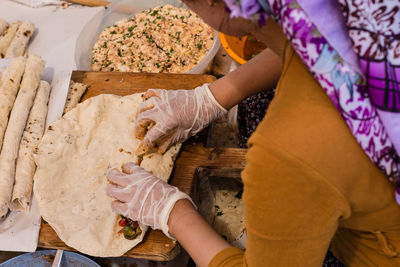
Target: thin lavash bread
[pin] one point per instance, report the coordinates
(72, 160)
(7, 37)
(20, 41)
(25, 166)
(10, 84)
(75, 92)
(3, 26)
(15, 128)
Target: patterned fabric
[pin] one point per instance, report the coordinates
(251, 111)
(378, 45)
(256, 10)
(375, 27)
(382, 84)
(347, 87)
(331, 261)
(341, 83)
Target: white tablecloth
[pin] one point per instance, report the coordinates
(54, 40)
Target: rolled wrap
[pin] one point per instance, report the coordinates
(75, 92)
(3, 26)
(16, 125)
(6, 39)
(25, 167)
(20, 42)
(10, 84)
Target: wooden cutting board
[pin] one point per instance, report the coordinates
(155, 246)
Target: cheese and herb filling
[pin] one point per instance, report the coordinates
(161, 39)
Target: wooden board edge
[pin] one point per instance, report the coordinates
(79, 75)
(167, 255)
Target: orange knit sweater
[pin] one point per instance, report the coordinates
(308, 184)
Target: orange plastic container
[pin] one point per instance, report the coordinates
(241, 49)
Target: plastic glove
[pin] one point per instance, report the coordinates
(170, 116)
(143, 197)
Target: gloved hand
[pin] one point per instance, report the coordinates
(143, 197)
(170, 116)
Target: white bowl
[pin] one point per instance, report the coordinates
(118, 10)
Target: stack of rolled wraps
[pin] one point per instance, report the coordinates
(23, 111)
(14, 38)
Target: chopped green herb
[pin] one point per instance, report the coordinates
(119, 53)
(130, 232)
(113, 32)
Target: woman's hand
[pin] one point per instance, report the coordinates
(170, 116)
(143, 197)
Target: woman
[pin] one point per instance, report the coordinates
(318, 165)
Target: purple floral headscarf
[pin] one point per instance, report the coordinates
(352, 50)
(256, 10)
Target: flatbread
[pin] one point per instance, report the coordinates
(10, 84)
(6, 39)
(16, 125)
(3, 26)
(25, 167)
(20, 42)
(229, 214)
(72, 160)
(75, 92)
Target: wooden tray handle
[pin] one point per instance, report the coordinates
(90, 2)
